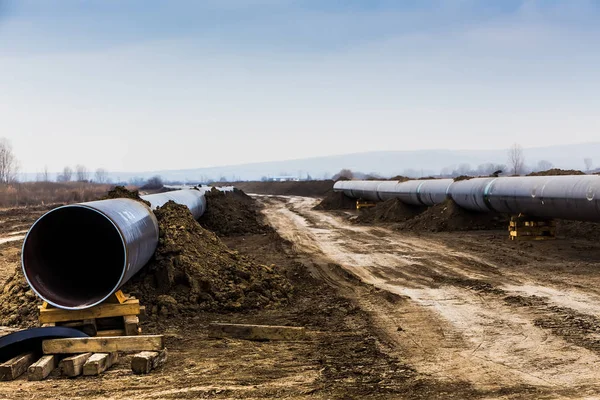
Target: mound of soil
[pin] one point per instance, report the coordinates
(462, 178)
(557, 172)
(336, 201)
(121, 192)
(193, 271)
(399, 178)
(578, 229)
(232, 213)
(392, 210)
(448, 216)
(18, 303)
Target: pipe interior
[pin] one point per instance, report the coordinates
(74, 257)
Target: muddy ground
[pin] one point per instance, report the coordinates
(414, 315)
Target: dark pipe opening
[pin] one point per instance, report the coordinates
(73, 257)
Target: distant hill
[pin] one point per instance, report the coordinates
(385, 163)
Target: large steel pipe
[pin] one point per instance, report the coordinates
(425, 192)
(192, 199)
(569, 197)
(573, 197)
(76, 256)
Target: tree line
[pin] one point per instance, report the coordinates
(9, 169)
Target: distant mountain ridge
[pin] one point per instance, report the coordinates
(415, 163)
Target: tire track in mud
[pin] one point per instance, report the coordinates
(460, 324)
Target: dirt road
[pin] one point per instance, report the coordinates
(505, 318)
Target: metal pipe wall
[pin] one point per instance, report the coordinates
(76, 256)
(569, 197)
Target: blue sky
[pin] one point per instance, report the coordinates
(138, 85)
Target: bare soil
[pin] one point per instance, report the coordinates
(391, 314)
(232, 213)
(392, 210)
(506, 319)
(336, 201)
(556, 172)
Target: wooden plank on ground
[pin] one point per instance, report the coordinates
(146, 361)
(99, 362)
(16, 366)
(256, 332)
(130, 307)
(104, 344)
(73, 366)
(42, 368)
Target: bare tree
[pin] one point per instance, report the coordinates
(46, 174)
(66, 175)
(101, 175)
(9, 166)
(344, 174)
(516, 159)
(589, 164)
(544, 165)
(137, 181)
(81, 173)
(155, 182)
(463, 169)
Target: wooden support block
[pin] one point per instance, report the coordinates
(105, 310)
(256, 332)
(73, 366)
(42, 368)
(111, 332)
(99, 362)
(16, 366)
(104, 344)
(118, 297)
(131, 324)
(146, 361)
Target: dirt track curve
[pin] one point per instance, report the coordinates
(520, 318)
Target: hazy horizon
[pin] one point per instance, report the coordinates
(386, 163)
(168, 85)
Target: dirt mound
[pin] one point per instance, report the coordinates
(18, 303)
(557, 172)
(336, 201)
(392, 210)
(192, 271)
(399, 178)
(578, 229)
(121, 192)
(462, 178)
(232, 213)
(288, 188)
(448, 216)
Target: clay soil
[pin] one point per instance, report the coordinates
(391, 315)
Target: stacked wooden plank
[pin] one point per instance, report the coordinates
(118, 316)
(86, 356)
(524, 228)
(113, 327)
